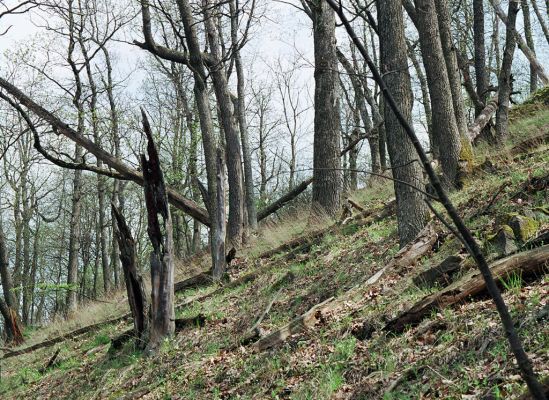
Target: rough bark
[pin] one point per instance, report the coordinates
(327, 178)
(505, 79)
(218, 242)
(450, 56)
(232, 138)
(524, 4)
(480, 55)
(135, 287)
(445, 128)
(242, 122)
(411, 209)
(162, 256)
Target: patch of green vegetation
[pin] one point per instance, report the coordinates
(513, 282)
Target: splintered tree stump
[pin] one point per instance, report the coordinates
(160, 234)
(134, 281)
(527, 263)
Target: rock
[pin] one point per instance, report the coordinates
(502, 242)
(523, 227)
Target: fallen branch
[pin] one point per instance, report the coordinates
(527, 263)
(50, 362)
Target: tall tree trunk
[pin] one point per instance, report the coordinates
(424, 97)
(226, 112)
(411, 209)
(327, 183)
(480, 54)
(450, 56)
(242, 123)
(162, 256)
(445, 129)
(505, 78)
(530, 42)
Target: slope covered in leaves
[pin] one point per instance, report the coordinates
(456, 352)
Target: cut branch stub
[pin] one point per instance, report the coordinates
(160, 233)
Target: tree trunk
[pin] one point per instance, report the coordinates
(450, 56)
(134, 282)
(162, 256)
(218, 243)
(232, 139)
(424, 97)
(505, 79)
(327, 182)
(480, 54)
(445, 129)
(541, 20)
(530, 42)
(523, 46)
(411, 209)
(242, 123)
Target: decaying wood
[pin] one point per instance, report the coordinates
(526, 263)
(483, 118)
(180, 324)
(527, 145)
(51, 361)
(306, 321)
(135, 287)
(296, 242)
(407, 256)
(440, 274)
(283, 200)
(254, 333)
(66, 336)
(160, 234)
(354, 204)
(199, 280)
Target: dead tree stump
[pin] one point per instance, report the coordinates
(160, 234)
(134, 281)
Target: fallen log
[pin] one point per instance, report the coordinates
(527, 263)
(50, 362)
(281, 202)
(180, 324)
(440, 274)
(407, 256)
(62, 338)
(306, 321)
(483, 118)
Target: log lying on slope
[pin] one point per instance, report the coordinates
(527, 263)
(407, 256)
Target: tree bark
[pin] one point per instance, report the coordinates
(162, 256)
(541, 20)
(218, 243)
(411, 209)
(327, 178)
(135, 287)
(505, 79)
(530, 42)
(445, 129)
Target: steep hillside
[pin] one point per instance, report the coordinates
(326, 303)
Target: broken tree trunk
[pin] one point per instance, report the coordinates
(160, 234)
(483, 118)
(526, 263)
(11, 324)
(134, 281)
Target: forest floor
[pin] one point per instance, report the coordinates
(343, 351)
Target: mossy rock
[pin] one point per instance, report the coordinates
(541, 213)
(523, 227)
(502, 241)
